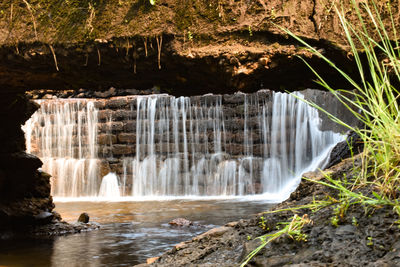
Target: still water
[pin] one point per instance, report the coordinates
(130, 231)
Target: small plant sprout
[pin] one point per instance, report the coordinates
(250, 31)
(190, 36)
(262, 223)
(335, 221)
(354, 221)
(292, 229)
(370, 242)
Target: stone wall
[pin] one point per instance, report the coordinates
(117, 128)
(238, 129)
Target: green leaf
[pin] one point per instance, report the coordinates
(377, 195)
(152, 2)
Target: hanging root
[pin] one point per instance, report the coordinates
(127, 47)
(98, 56)
(145, 45)
(159, 45)
(54, 57)
(134, 62)
(135, 56)
(86, 59)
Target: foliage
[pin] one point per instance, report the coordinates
(262, 223)
(375, 103)
(375, 100)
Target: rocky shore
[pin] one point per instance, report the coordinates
(26, 206)
(362, 237)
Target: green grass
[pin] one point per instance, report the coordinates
(375, 98)
(375, 102)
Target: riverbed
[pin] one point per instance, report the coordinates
(130, 232)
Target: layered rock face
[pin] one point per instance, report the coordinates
(25, 191)
(207, 46)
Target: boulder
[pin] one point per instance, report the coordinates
(180, 222)
(105, 94)
(83, 218)
(18, 159)
(44, 217)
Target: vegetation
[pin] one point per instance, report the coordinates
(52, 21)
(375, 103)
(291, 229)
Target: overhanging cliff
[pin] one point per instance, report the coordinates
(186, 47)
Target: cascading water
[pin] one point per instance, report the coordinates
(63, 133)
(187, 146)
(109, 187)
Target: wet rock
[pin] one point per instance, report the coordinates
(264, 61)
(231, 224)
(130, 126)
(249, 247)
(352, 145)
(116, 168)
(57, 216)
(18, 159)
(130, 92)
(234, 61)
(180, 222)
(151, 260)
(44, 217)
(61, 228)
(123, 114)
(252, 164)
(121, 149)
(83, 218)
(346, 230)
(105, 114)
(105, 94)
(81, 95)
(212, 233)
(118, 102)
(181, 245)
(113, 126)
(104, 168)
(106, 139)
(345, 245)
(234, 99)
(127, 138)
(275, 261)
(48, 96)
(100, 104)
(106, 152)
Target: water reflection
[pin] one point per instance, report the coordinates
(130, 232)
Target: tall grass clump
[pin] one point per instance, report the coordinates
(374, 101)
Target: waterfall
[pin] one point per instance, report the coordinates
(160, 145)
(63, 133)
(109, 187)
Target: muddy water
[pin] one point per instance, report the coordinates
(130, 231)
